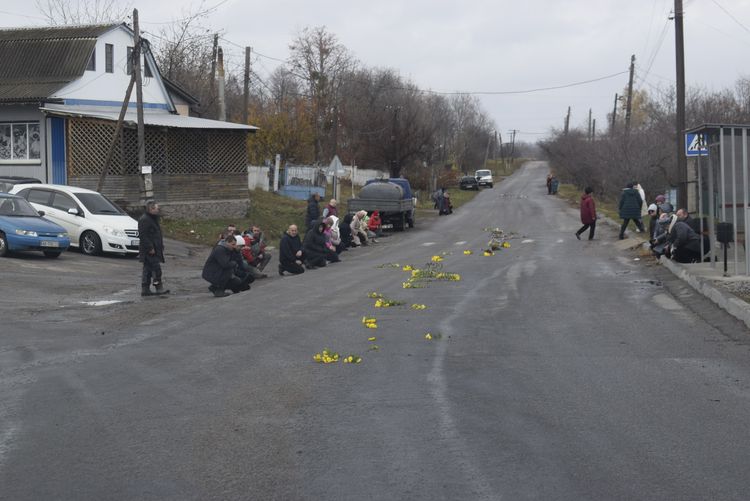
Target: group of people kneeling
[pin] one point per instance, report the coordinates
(677, 235)
(238, 259)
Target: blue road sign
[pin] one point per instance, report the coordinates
(695, 145)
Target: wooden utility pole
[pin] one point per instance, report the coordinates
(680, 115)
(567, 122)
(146, 180)
(246, 90)
(213, 67)
(614, 116)
(116, 135)
(593, 130)
(222, 105)
(629, 105)
(588, 133)
(512, 143)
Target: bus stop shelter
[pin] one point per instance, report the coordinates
(721, 186)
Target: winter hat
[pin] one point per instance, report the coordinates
(652, 207)
(240, 241)
(660, 199)
(333, 202)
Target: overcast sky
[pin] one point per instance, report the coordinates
(488, 46)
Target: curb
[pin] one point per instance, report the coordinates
(725, 300)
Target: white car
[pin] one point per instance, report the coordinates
(94, 223)
(484, 177)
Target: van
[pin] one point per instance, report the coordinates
(484, 177)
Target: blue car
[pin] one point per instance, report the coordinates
(22, 228)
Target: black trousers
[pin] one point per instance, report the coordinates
(151, 270)
(591, 227)
(292, 268)
(637, 221)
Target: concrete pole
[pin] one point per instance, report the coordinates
(222, 104)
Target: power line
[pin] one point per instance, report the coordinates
(731, 16)
(209, 10)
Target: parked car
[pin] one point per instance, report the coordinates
(484, 177)
(8, 182)
(95, 224)
(22, 228)
(468, 183)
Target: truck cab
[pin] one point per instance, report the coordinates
(484, 177)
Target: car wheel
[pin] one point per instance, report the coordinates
(52, 254)
(3, 245)
(91, 244)
(490, 185)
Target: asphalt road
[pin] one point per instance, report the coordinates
(559, 369)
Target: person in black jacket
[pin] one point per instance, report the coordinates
(151, 250)
(291, 256)
(685, 243)
(313, 211)
(220, 267)
(314, 246)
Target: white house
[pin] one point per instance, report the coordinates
(61, 90)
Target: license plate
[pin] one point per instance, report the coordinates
(135, 242)
(386, 226)
(49, 243)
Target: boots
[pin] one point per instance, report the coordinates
(160, 289)
(146, 291)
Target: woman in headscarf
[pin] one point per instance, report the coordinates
(314, 246)
(359, 228)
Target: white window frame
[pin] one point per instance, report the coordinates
(27, 160)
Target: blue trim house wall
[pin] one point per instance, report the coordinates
(58, 157)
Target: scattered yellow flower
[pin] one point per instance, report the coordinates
(506, 245)
(371, 338)
(419, 307)
(326, 357)
(371, 325)
(407, 285)
(367, 320)
(374, 295)
(352, 359)
(488, 253)
(428, 336)
(374, 347)
(436, 259)
(467, 252)
(407, 267)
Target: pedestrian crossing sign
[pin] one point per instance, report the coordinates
(695, 145)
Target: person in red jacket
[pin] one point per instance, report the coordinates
(588, 214)
(374, 223)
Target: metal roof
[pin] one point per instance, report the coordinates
(153, 118)
(36, 62)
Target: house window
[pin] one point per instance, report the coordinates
(130, 60)
(109, 56)
(92, 61)
(20, 141)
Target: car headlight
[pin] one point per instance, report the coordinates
(62, 235)
(27, 233)
(114, 232)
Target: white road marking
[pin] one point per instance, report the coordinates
(427, 244)
(105, 302)
(460, 243)
(559, 241)
(527, 241)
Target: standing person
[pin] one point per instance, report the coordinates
(331, 209)
(151, 250)
(549, 184)
(630, 208)
(291, 256)
(644, 206)
(554, 184)
(588, 213)
(313, 210)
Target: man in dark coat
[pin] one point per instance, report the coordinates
(588, 214)
(630, 208)
(151, 250)
(291, 256)
(685, 243)
(313, 210)
(220, 267)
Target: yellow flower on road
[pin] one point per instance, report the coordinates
(428, 336)
(436, 259)
(419, 307)
(372, 338)
(468, 253)
(488, 253)
(407, 267)
(326, 357)
(506, 245)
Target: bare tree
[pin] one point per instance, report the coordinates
(68, 12)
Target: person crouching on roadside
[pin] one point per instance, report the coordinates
(359, 229)
(220, 267)
(291, 256)
(314, 246)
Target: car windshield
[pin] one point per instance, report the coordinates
(17, 207)
(484, 173)
(98, 204)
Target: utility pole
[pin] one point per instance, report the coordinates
(213, 68)
(222, 104)
(147, 183)
(588, 134)
(246, 90)
(614, 116)
(512, 143)
(567, 122)
(593, 130)
(680, 115)
(629, 105)
(116, 135)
